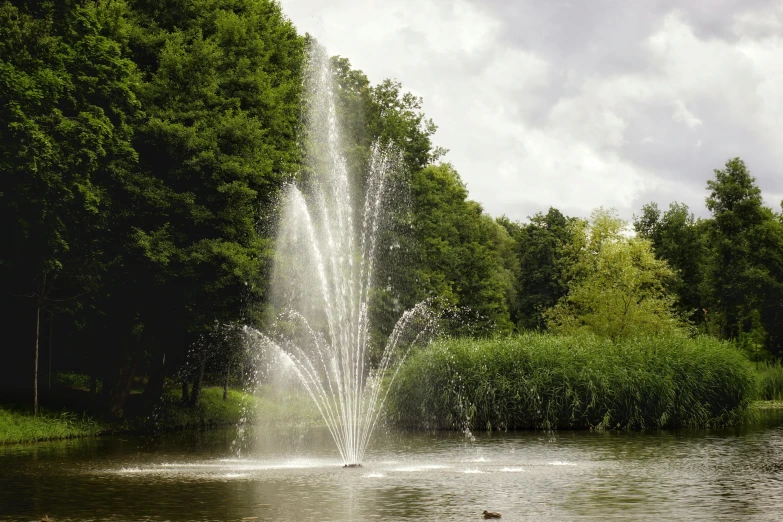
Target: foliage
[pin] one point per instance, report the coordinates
(618, 289)
(544, 381)
(459, 257)
(144, 147)
(78, 381)
(221, 92)
(745, 275)
(546, 254)
(679, 239)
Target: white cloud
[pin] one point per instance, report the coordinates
(538, 110)
(683, 115)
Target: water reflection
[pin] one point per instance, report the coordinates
(295, 474)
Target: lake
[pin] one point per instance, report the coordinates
(296, 474)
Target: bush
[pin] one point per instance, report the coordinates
(543, 381)
(77, 381)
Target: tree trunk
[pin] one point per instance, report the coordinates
(35, 372)
(92, 355)
(198, 381)
(153, 390)
(51, 328)
(225, 383)
(123, 385)
(185, 390)
(122, 389)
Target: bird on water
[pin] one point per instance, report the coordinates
(491, 514)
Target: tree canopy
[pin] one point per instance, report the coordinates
(144, 147)
(619, 288)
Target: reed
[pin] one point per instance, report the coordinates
(543, 381)
(770, 381)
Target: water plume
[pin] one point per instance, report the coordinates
(327, 249)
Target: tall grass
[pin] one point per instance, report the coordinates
(542, 381)
(17, 425)
(770, 381)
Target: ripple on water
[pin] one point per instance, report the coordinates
(422, 467)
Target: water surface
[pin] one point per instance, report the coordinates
(295, 474)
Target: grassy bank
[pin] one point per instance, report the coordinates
(545, 382)
(172, 414)
(266, 405)
(18, 425)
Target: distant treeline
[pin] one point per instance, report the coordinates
(143, 146)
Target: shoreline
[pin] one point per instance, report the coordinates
(80, 426)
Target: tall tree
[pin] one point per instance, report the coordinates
(545, 259)
(221, 89)
(745, 277)
(458, 259)
(680, 239)
(66, 103)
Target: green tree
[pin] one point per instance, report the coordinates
(546, 256)
(66, 103)
(619, 289)
(745, 276)
(221, 89)
(385, 114)
(460, 257)
(680, 239)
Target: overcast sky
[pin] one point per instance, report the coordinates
(578, 104)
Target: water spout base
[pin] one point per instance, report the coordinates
(357, 465)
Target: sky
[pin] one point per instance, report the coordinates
(578, 104)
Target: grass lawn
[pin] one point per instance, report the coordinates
(18, 425)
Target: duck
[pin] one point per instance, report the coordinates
(491, 514)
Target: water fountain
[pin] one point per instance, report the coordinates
(326, 254)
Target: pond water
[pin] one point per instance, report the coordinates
(296, 474)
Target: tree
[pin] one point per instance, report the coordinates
(679, 239)
(387, 115)
(221, 87)
(459, 258)
(619, 289)
(745, 275)
(544, 264)
(64, 124)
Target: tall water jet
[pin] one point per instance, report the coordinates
(327, 248)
